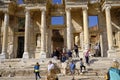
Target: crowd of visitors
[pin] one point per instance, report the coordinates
(64, 53)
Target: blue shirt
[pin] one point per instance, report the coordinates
(36, 68)
(114, 74)
(72, 66)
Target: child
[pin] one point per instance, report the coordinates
(82, 65)
(72, 67)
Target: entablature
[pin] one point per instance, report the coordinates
(111, 3)
(76, 3)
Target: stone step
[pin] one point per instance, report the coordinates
(80, 77)
(22, 78)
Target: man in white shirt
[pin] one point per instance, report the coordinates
(50, 66)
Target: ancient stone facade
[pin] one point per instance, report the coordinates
(27, 30)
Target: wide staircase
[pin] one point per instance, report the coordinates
(22, 69)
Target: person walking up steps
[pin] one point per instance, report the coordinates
(76, 50)
(72, 67)
(82, 65)
(86, 54)
(36, 71)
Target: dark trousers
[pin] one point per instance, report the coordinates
(82, 66)
(87, 59)
(37, 75)
(76, 52)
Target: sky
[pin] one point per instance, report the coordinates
(20, 1)
(57, 20)
(56, 1)
(93, 21)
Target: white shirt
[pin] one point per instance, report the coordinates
(50, 66)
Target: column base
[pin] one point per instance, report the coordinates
(81, 54)
(43, 54)
(113, 53)
(26, 55)
(37, 53)
(2, 56)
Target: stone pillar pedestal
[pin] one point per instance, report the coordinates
(27, 22)
(43, 34)
(69, 35)
(86, 31)
(81, 44)
(114, 53)
(5, 33)
(109, 32)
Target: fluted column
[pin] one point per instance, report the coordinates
(81, 40)
(118, 38)
(43, 34)
(85, 25)
(48, 42)
(65, 37)
(26, 39)
(5, 33)
(69, 26)
(109, 28)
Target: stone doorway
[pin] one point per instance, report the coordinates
(20, 49)
(57, 38)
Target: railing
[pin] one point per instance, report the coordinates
(74, 2)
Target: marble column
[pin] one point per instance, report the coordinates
(43, 34)
(69, 26)
(49, 42)
(65, 37)
(118, 39)
(26, 39)
(101, 45)
(5, 34)
(109, 27)
(85, 26)
(81, 40)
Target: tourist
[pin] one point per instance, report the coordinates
(63, 58)
(113, 72)
(82, 65)
(96, 50)
(64, 50)
(69, 54)
(76, 50)
(58, 52)
(86, 54)
(50, 66)
(36, 70)
(72, 67)
(54, 54)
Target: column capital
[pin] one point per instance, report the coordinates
(84, 8)
(27, 10)
(43, 9)
(107, 7)
(68, 9)
(5, 11)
